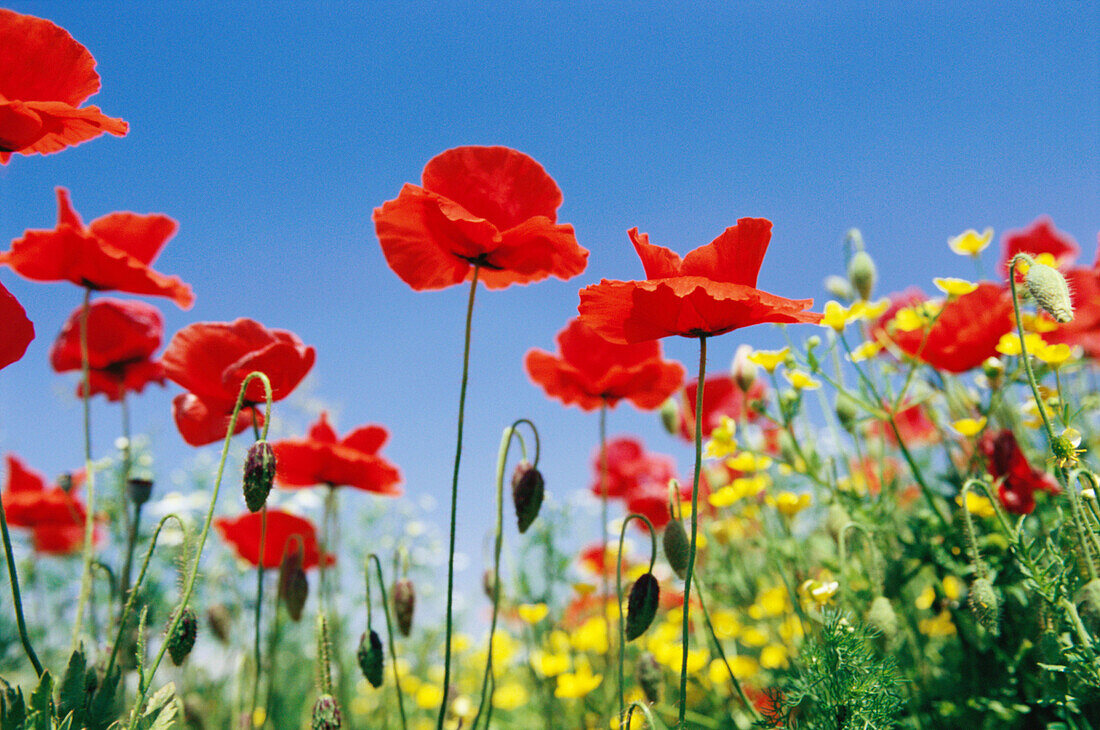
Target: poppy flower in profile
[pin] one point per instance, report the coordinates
(1018, 479)
(122, 337)
(45, 75)
(54, 515)
(589, 371)
(1041, 237)
(965, 332)
(723, 398)
(630, 468)
(324, 458)
(1084, 292)
(18, 330)
(211, 361)
(283, 532)
(711, 291)
(114, 252)
(490, 207)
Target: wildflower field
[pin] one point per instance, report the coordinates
(891, 520)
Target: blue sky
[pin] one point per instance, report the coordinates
(271, 131)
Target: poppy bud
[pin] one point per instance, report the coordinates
(862, 274)
(527, 492)
(836, 519)
(487, 583)
(182, 640)
(838, 287)
(994, 370)
(670, 416)
(294, 589)
(649, 675)
(139, 490)
(371, 658)
(743, 370)
(677, 547)
(881, 616)
(259, 473)
(220, 621)
(326, 713)
(404, 601)
(65, 481)
(641, 606)
(1088, 602)
(983, 602)
(1049, 288)
(847, 410)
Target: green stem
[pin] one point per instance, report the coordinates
(619, 596)
(686, 640)
(722, 655)
(389, 634)
(604, 487)
(17, 600)
(454, 502)
(89, 475)
(1031, 381)
(259, 607)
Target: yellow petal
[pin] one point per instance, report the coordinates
(970, 242)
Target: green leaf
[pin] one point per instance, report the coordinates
(71, 697)
(161, 711)
(103, 709)
(42, 697)
(13, 708)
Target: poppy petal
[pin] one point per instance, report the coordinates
(735, 256)
(40, 61)
(202, 422)
(18, 330)
(532, 251)
(322, 431)
(21, 478)
(366, 439)
(119, 331)
(658, 261)
(284, 530)
(63, 125)
(141, 236)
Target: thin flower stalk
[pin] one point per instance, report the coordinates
(89, 474)
(619, 595)
(389, 632)
(16, 597)
(686, 636)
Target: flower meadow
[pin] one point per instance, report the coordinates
(890, 522)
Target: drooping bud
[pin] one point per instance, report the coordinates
(527, 493)
(881, 616)
(1088, 604)
(326, 713)
(984, 604)
(404, 602)
(293, 583)
(677, 547)
(371, 658)
(670, 416)
(836, 519)
(1051, 293)
(182, 640)
(743, 370)
(847, 411)
(838, 287)
(487, 583)
(220, 620)
(139, 490)
(641, 606)
(649, 675)
(259, 473)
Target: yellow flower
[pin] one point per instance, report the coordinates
(1054, 355)
(721, 442)
(548, 664)
(801, 380)
(747, 462)
(428, 696)
(836, 316)
(939, 625)
(584, 589)
(532, 613)
(770, 359)
(773, 656)
(791, 628)
(790, 504)
(976, 504)
(908, 319)
(259, 716)
(1065, 448)
(572, 685)
(926, 598)
(744, 667)
(820, 591)
(969, 426)
(753, 637)
(510, 696)
(726, 625)
(970, 242)
(1009, 344)
(865, 351)
(591, 636)
(953, 587)
(866, 311)
(954, 288)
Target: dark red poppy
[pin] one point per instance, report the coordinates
(722, 398)
(18, 330)
(965, 333)
(590, 371)
(45, 76)
(1018, 479)
(711, 291)
(1038, 238)
(212, 359)
(29, 502)
(492, 207)
(629, 468)
(283, 532)
(323, 458)
(115, 252)
(122, 337)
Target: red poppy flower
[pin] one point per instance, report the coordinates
(722, 398)
(323, 458)
(122, 337)
(212, 359)
(492, 207)
(59, 539)
(913, 424)
(1084, 291)
(593, 559)
(115, 252)
(283, 532)
(630, 467)
(650, 498)
(1018, 480)
(28, 502)
(18, 330)
(45, 76)
(1040, 237)
(965, 333)
(590, 371)
(711, 291)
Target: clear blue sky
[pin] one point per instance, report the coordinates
(271, 131)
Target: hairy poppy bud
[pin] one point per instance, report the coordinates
(649, 675)
(371, 658)
(293, 584)
(983, 602)
(527, 492)
(404, 601)
(836, 519)
(838, 287)
(1049, 288)
(743, 370)
(182, 640)
(641, 606)
(677, 547)
(326, 713)
(862, 274)
(259, 473)
(670, 416)
(139, 490)
(1088, 602)
(220, 621)
(847, 411)
(881, 616)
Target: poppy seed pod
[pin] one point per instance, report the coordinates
(862, 274)
(1047, 285)
(404, 602)
(139, 490)
(326, 713)
(371, 658)
(881, 616)
(838, 287)
(743, 370)
(649, 675)
(293, 585)
(528, 489)
(182, 640)
(670, 416)
(641, 606)
(984, 604)
(259, 474)
(677, 547)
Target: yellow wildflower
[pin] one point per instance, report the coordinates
(744, 667)
(969, 426)
(925, 598)
(549, 664)
(865, 351)
(940, 625)
(532, 613)
(790, 504)
(1009, 343)
(791, 628)
(1039, 324)
(572, 685)
(1054, 355)
(864, 310)
(954, 288)
(908, 319)
(773, 656)
(726, 625)
(510, 696)
(953, 587)
(591, 636)
(970, 242)
(428, 696)
(770, 359)
(820, 591)
(976, 504)
(802, 381)
(1065, 448)
(836, 316)
(753, 637)
(721, 442)
(746, 461)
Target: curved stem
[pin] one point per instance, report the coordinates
(192, 576)
(1023, 346)
(1085, 533)
(619, 594)
(17, 600)
(454, 501)
(722, 655)
(389, 632)
(89, 475)
(686, 634)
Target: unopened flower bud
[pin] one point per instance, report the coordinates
(847, 410)
(528, 489)
(326, 713)
(862, 274)
(839, 288)
(293, 584)
(993, 369)
(220, 621)
(371, 658)
(743, 370)
(1088, 604)
(182, 640)
(677, 547)
(836, 519)
(670, 416)
(984, 604)
(65, 481)
(1051, 293)
(881, 616)
(649, 675)
(404, 602)
(487, 583)
(641, 605)
(139, 490)
(259, 473)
